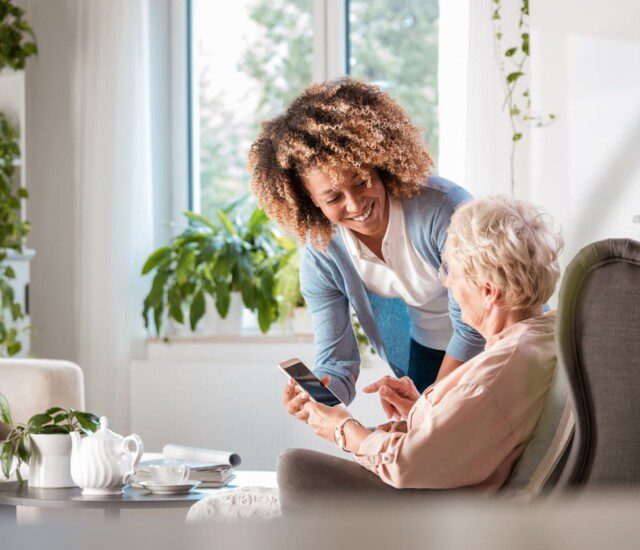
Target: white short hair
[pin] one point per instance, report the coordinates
(508, 243)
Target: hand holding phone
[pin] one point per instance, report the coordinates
(297, 371)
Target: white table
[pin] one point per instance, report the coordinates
(12, 495)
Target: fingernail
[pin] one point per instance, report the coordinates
(304, 395)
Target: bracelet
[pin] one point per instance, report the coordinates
(339, 435)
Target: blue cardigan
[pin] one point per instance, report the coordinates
(330, 284)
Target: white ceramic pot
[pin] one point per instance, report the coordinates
(212, 323)
(50, 463)
(301, 321)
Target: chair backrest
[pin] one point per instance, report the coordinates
(33, 385)
(598, 337)
(536, 471)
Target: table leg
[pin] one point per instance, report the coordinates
(112, 515)
(8, 514)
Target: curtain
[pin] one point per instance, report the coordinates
(475, 137)
(114, 208)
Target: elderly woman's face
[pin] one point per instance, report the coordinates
(351, 203)
(468, 297)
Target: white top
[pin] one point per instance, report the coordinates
(406, 275)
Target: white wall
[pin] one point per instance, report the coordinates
(586, 69)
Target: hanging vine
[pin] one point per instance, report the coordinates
(512, 62)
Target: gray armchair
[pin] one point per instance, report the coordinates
(599, 350)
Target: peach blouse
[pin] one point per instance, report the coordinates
(468, 429)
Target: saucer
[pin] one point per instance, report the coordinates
(173, 489)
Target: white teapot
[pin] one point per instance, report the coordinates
(102, 463)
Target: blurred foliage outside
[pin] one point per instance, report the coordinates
(392, 43)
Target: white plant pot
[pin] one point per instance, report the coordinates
(212, 323)
(50, 463)
(301, 322)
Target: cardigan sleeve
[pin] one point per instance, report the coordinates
(337, 352)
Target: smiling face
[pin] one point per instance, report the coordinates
(354, 202)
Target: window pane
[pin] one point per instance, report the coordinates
(250, 59)
(394, 43)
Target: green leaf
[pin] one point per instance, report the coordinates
(517, 137)
(6, 459)
(266, 314)
(512, 77)
(510, 52)
(9, 273)
(13, 348)
(53, 410)
(23, 193)
(197, 309)
(227, 222)
(258, 218)
(223, 299)
(201, 220)
(175, 307)
(55, 429)
(37, 421)
(186, 264)
(5, 411)
(157, 289)
(158, 257)
(525, 43)
(88, 422)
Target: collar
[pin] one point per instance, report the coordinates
(544, 322)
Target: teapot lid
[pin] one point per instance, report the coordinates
(104, 432)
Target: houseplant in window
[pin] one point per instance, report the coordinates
(239, 252)
(44, 443)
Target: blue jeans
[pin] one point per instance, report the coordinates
(424, 364)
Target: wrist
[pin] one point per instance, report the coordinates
(339, 433)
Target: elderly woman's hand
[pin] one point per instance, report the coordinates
(324, 419)
(397, 395)
(294, 399)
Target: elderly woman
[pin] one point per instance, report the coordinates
(345, 170)
(468, 429)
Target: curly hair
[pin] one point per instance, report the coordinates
(336, 125)
(509, 243)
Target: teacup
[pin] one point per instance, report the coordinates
(169, 475)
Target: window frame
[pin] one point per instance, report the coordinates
(330, 27)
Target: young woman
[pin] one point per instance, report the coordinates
(344, 169)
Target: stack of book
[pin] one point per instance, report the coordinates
(213, 468)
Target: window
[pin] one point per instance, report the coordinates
(249, 63)
(394, 44)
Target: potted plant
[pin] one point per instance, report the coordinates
(236, 253)
(291, 305)
(44, 443)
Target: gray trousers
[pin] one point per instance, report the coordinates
(311, 482)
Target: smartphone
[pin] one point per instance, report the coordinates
(309, 382)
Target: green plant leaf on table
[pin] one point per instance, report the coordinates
(5, 411)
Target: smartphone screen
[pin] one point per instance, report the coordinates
(312, 384)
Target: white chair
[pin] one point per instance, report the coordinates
(34, 385)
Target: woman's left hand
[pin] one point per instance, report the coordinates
(324, 419)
